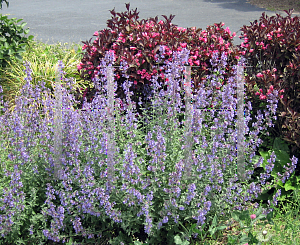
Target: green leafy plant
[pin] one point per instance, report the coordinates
(289, 182)
(247, 222)
(12, 39)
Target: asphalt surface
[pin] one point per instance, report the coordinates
(73, 21)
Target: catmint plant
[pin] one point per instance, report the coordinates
(149, 196)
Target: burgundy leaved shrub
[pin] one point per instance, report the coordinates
(145, 46)
(272, 47)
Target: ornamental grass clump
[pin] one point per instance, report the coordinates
(43, 59)
(149, 196)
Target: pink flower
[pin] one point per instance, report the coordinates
(95, 33)
(183, 45)
(155, 34)
(251, 50)
(259, 75)
(197, 62)
(221, 40)
(227, 30)
(262, 97)
(84, 47)
(252, 216)
(269, 37)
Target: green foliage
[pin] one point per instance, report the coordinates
(178, 241)
(12, 39)
(282, 153)
(246, 224)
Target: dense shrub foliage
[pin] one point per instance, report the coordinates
(272, 47)
(144, 46)
(12, 39)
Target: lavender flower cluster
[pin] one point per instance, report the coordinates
(153, 194)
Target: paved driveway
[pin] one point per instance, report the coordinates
(53, 21)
